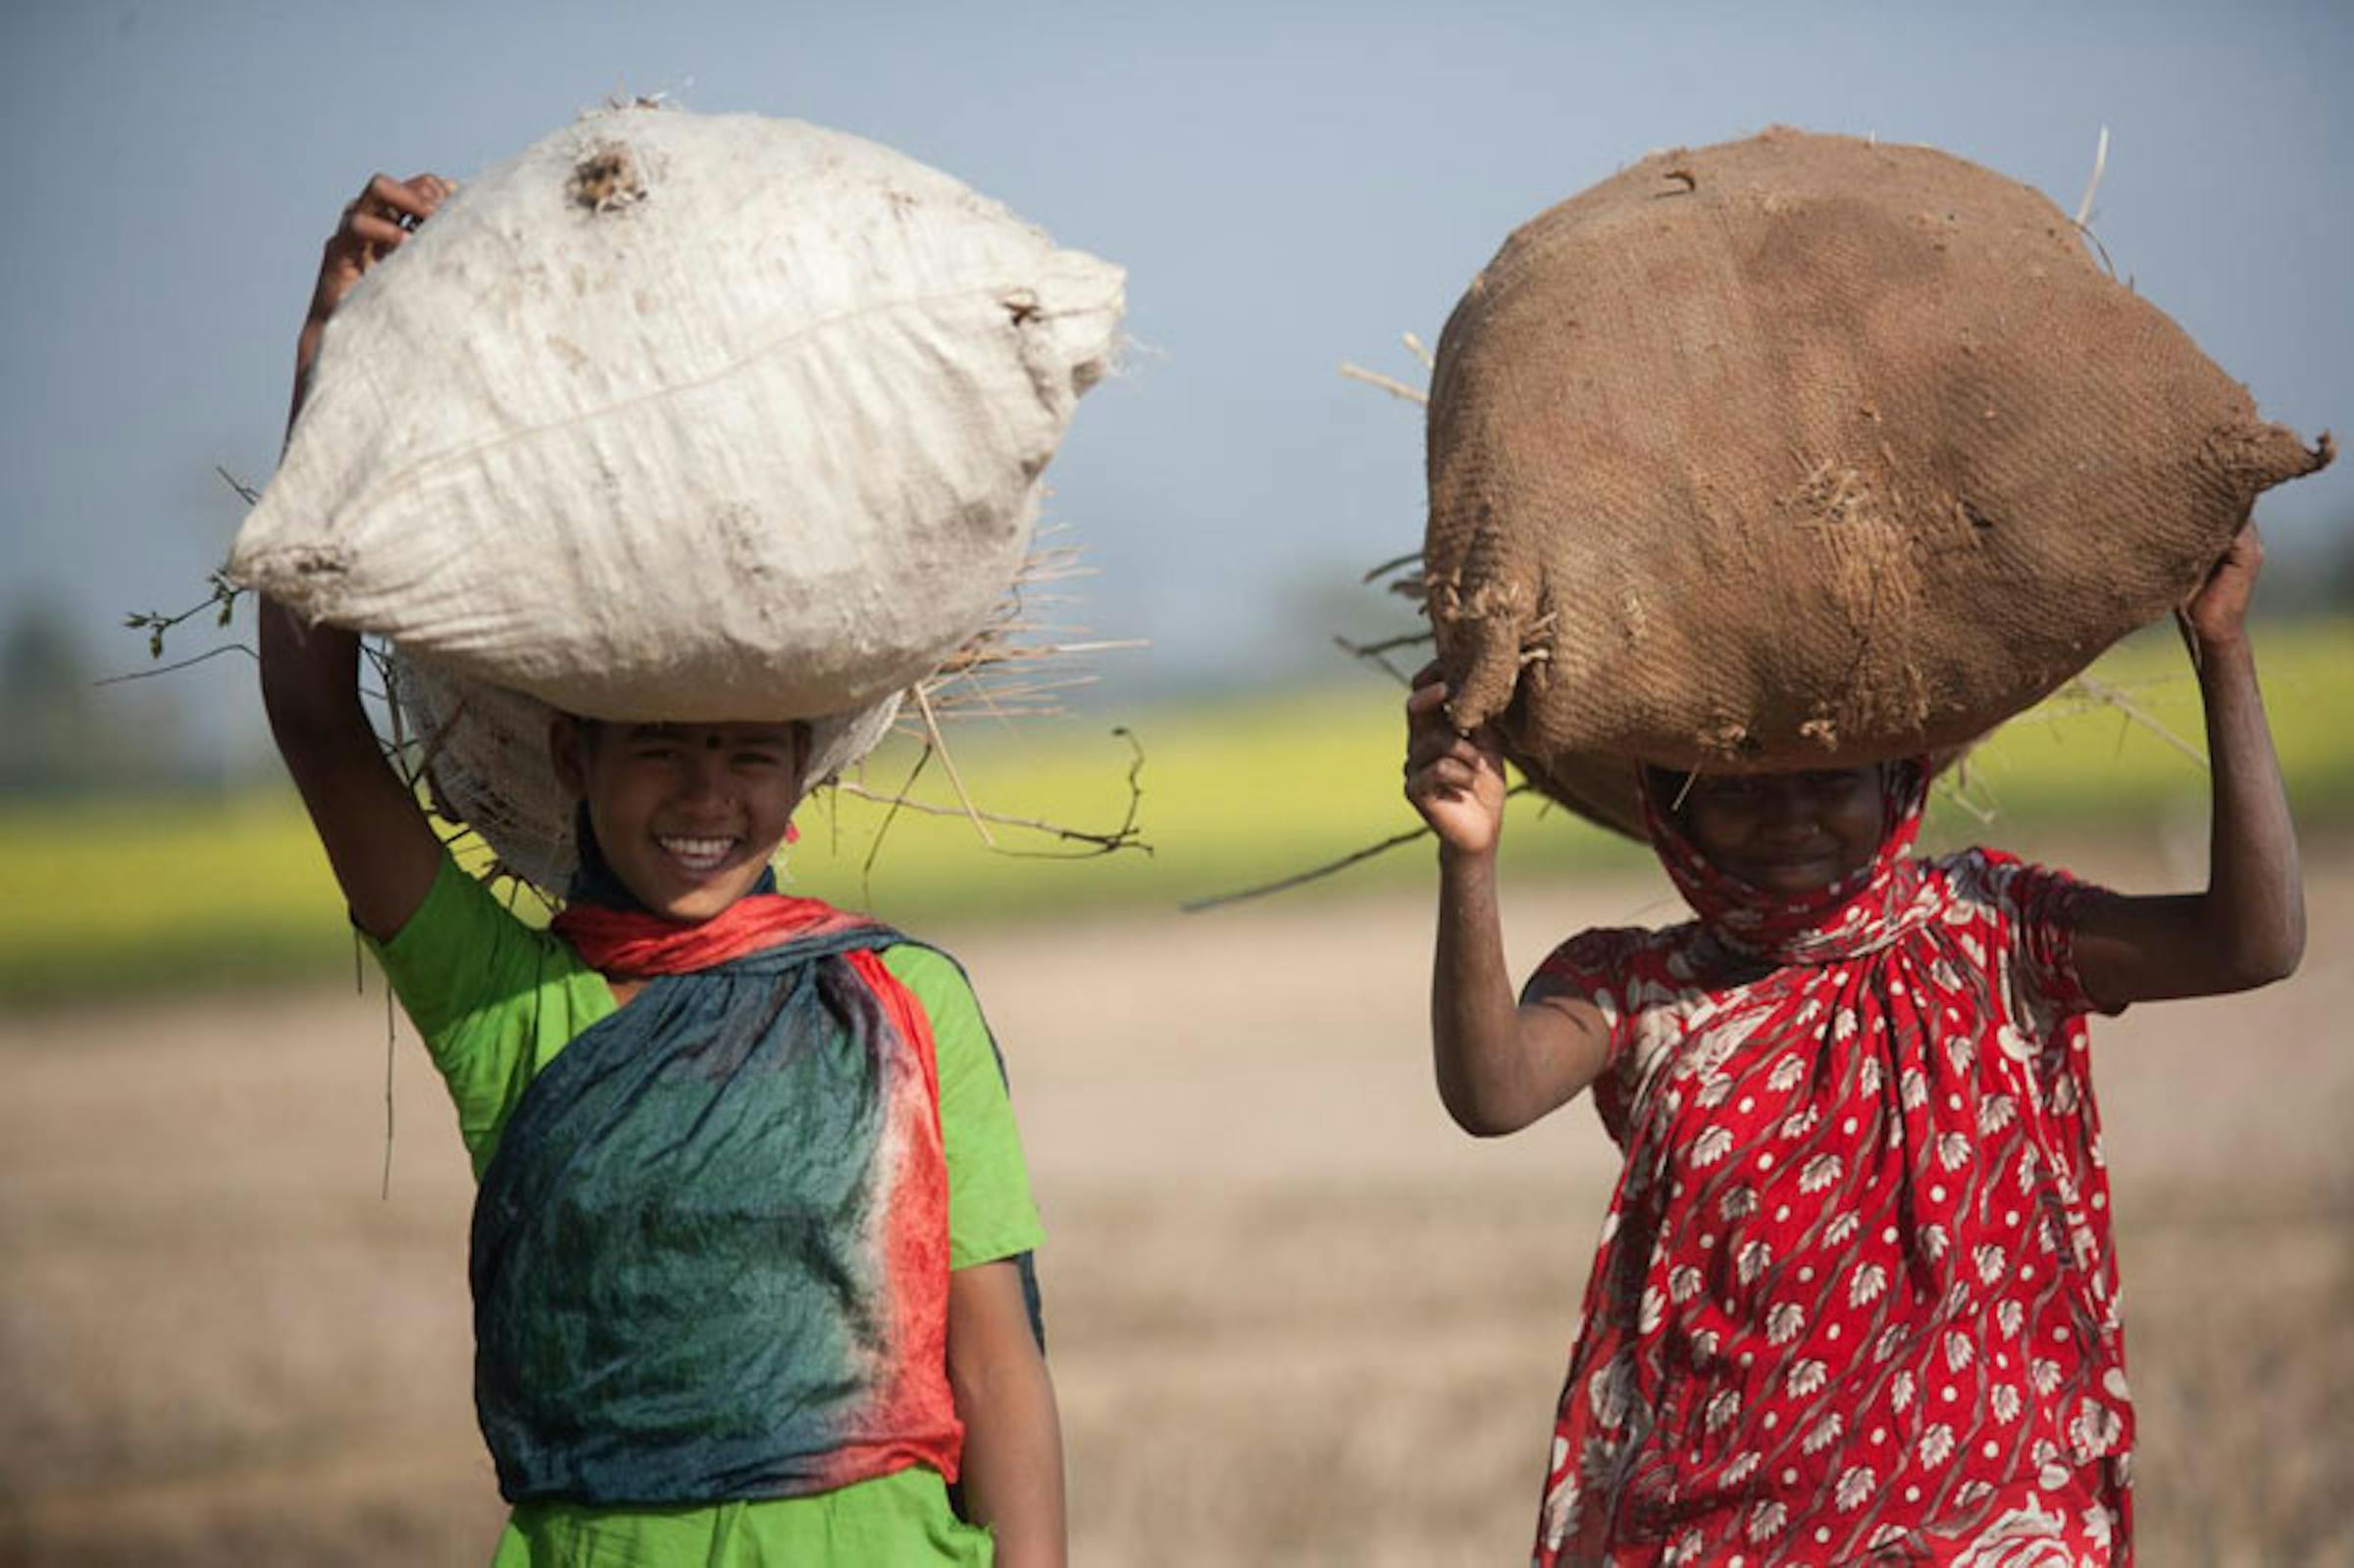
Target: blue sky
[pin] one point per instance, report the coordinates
(1289, 187)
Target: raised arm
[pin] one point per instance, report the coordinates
(2248, 927)
(376, 839)
(1501, 1065)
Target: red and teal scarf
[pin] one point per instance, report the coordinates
(710, 1259)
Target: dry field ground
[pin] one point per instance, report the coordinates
(1296, 1318)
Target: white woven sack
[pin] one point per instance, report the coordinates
(684, 416)
(485, 751)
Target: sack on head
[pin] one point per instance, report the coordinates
(685, 416)
(1807, 450)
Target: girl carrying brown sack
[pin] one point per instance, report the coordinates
(1855, 1295)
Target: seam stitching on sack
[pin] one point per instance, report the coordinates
(416, 477)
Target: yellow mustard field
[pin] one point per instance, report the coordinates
(113, 895)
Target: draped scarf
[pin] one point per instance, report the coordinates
(1870, 908)
(1855, 1296)
(709, 1258)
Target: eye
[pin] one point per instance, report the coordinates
(760, 759)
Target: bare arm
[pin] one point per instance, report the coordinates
(384, 851)
(376, 839)
(2248, 927)
(1013, 1472)
(1499, 1066)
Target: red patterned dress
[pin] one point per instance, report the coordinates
(1855, 1299)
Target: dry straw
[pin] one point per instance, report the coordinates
(478, 753)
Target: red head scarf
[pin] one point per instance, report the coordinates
(1863, 911)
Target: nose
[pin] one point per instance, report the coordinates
(1786, 801)
(704, 774)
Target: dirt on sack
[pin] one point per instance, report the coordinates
(1806, 450)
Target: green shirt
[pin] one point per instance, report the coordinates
(495, 1000)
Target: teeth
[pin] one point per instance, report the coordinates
(697, 850)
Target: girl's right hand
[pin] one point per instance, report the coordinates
(374, 224)
(1454, 780)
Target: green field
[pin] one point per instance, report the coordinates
(120, 896)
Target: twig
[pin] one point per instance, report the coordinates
(223, 601)
(245, 492)
(1377, 653)
(1388, 384)
(2102, 691)
(1409, 584)
(1377, 659)
(2109, 266)
(400, 749)
(994, 674)
(2083, 218)
(1126, 836)
(1403, 640)
(1959, 796)
(2099, 163)
(1302, 879)
(866, 872)
(1123, 836)
(923, 703)
(167, 669)
(431, 749)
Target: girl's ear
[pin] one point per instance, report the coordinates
(568, 743)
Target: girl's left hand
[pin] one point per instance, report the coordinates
(2218, 613)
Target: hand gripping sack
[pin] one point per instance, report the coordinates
(683, 417)
(1806, 450)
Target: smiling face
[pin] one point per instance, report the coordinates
(688, 815)
(1786, 833)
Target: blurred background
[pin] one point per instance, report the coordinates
(1296, 1317)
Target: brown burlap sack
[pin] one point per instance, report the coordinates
(1804, 450)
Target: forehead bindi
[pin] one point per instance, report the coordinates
(716, 738)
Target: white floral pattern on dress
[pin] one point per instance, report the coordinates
(2025, 1537)
(1821, 1291)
